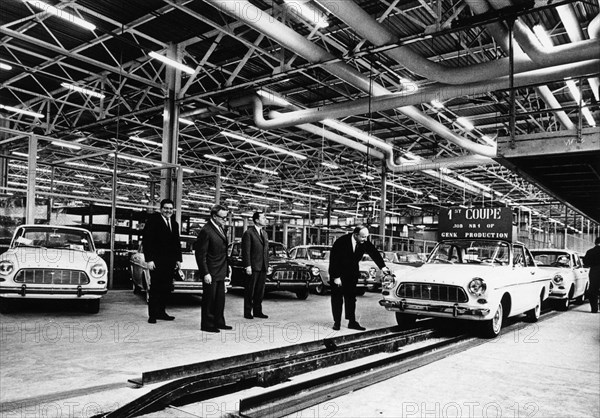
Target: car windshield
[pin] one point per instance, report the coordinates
(551, 259)
(53, 238)
(278, 250)
(471, 252)
(318, 253)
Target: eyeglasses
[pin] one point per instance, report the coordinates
(220, 217)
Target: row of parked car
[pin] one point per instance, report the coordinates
(483, 280)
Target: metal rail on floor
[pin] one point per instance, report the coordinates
(209, 379)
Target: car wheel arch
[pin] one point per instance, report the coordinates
(506, 302)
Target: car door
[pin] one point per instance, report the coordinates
(525, 289)
(580, 275)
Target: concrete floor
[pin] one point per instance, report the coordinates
(56, 360)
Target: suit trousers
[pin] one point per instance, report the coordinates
(254, 291)
(594, 289)
(346, 293)
(213, 304)
(161, 282)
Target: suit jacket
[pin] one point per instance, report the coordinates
(211, 252)
(255, 249)
(343, 262)
(592, 258)
(159, 243)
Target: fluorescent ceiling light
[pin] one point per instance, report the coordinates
(474, 183)
(264, 170)
(273, 199)
(273, 98)
(145, 141)
(21, 154)
(261, 185)
(433, 197)
(24, 167)
(83, 176)
(123, 197)
(91, 167)
(330, 165)
(262, 144)
(66, 145)
(214, 157)
(262, 205)
(21, 111)
(172, 63)
(341, 202)
(198, 202)
(61, 14)
(355, 192)
(298, 204)
(588, 116)
(329, 186)
(306, 11)
(344, 212)
(374, 197)
(205, 196)
(414, 207)
(408, 189)
(188, 170)
(124, 183)
(137, 160)
(108, 189)
(5, 66)
(465, 123)
(307, 212)
(574, 90)
(80, 191)
(82, 90)
(366, 176)
(303, 194)
(437, 104)
(231, 200)
(186, 121)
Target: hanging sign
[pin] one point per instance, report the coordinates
(478, 223)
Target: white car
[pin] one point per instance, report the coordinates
(186, 280)
(570, 280)
(52, 262)
(473, 279)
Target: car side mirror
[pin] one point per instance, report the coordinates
(100, 251)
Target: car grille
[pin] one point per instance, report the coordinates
(430, 291)
(51, 276)
(191, 276)
(292, 275)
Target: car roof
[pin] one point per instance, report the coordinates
(554, 250)
(44, 226)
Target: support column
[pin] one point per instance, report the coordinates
(31, 166)
(383, 206)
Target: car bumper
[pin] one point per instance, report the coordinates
(431, 308)
(558, 294)
(283, 285)
(38, 292)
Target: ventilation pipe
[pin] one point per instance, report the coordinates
(366, 26)
(257, 19)
(426, 94)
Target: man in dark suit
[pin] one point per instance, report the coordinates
(592, 260)
(255, 256)
(211, 256)
(346, 252)
(162, 253)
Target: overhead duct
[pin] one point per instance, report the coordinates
(425, 165)
(366, 26)
(426, 94)
(257, 19)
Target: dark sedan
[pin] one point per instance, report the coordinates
(283, 274)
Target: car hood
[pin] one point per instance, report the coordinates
(52, 258)
(450, 274)
(278, 263)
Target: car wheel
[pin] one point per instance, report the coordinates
(534, 314)
(580, 299)
(405, 321)
(302, 294)
(361, 291)
(7, 305)
(321, 289)
(92, 306)
(492, 327)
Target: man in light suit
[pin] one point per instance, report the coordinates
(255, 256)
(211, 257)
(162, 253)
(344, 272)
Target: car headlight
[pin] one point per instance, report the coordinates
(557, 279)
(388, 281)
(315, 271)
(6, 267)
(477, 286)
(98, 270)
(372, 271)
(269, 270)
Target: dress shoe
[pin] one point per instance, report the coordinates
(152, 320)
(355, 325)
(336, 326)
(210, 329)
(225, 327)
(261, 315)
(248, 316)
(166, 317)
